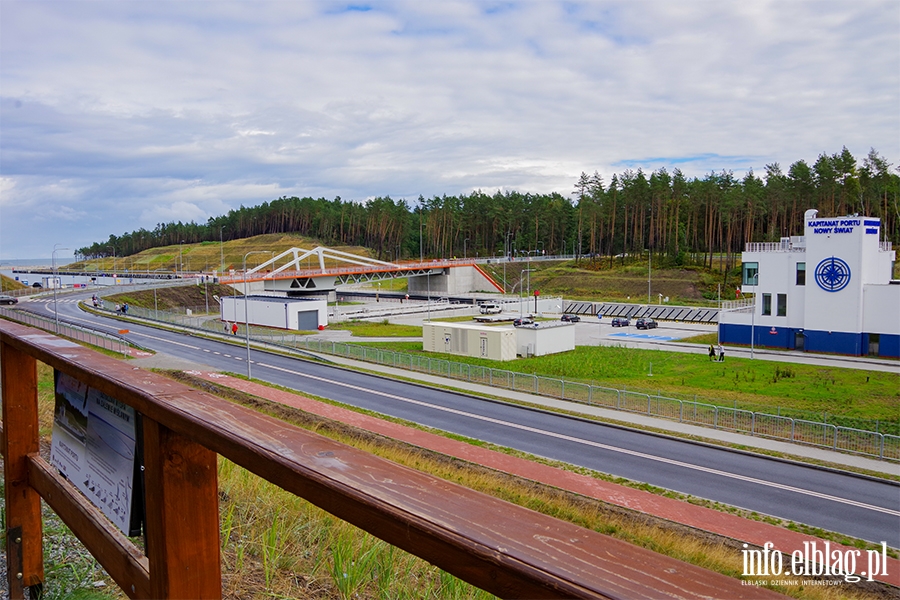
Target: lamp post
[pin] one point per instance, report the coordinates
(649, 265)
(752, 325)
(522, 274)
(222, 250)
(113, 248)
(180, 258)
(246, 308)
(55, 285)
(464, 248)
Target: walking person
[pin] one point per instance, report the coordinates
(234, 328)
(712, 353)
(227, 326)
(721, 353)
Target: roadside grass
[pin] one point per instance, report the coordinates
(275, 545)
(357, 565)
(8, 284)
(778, 388)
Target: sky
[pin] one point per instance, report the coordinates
(120, 115)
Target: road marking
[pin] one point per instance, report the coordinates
(569, 438)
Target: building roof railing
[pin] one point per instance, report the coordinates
(795, 243)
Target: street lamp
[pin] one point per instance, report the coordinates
(56, 285)
(246, 309)
(222, 249)
(113, 248)
(520, 286)
(649, 264)
(180, 258)
(464, 248)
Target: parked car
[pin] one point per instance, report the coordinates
(645, 324)
(37, 285)
(4, 299)
(570, 318)
(522, 321)
(620, 322)
(490, 308)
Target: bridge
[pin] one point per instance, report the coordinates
(286, 273)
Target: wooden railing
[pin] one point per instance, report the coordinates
(503, 548)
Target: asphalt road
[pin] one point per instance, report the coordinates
(861, 507)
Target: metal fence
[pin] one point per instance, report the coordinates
(81, 334)
(778, 427)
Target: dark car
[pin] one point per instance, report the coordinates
(522, 321)
(570, 318)
(4, 299)
(37, 285)
(620, 322)
(645, 324)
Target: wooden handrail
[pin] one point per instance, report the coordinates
(503, 548)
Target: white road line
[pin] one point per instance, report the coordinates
(569, 438)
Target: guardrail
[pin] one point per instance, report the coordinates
(503, 548)
(88, 336)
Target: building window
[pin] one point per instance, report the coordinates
(767, 304)
(801, 273)
(782, 305)
(751, 273)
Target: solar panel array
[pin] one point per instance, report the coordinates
(684, 314)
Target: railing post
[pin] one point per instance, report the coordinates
(182, 515)
(24, 554)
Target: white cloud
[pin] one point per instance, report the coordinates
(121, 115)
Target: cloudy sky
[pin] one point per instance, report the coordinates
(121, 115)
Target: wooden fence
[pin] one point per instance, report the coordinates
(505, 549)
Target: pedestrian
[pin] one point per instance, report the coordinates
(125, 309)
(712, 353)
(721, 353)
(118, 308)
(227, 326)
(234, 328)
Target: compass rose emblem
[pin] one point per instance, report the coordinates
(833, 274)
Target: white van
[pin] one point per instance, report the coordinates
(490, 308)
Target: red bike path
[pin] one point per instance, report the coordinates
(738, 528)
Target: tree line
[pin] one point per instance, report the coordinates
(681, 220)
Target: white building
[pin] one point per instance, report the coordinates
(494, 342)
(297, 314)
(827, 291)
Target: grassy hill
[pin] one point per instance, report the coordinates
(7, 284)
(577, 280)
(207, 256)
(583, 280)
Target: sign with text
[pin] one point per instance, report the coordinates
(93, 445)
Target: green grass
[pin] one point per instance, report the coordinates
(379, 329)
(745, 383)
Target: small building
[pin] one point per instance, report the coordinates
(296, 314)
(497, 342)
(470, 339)
(827, 291)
